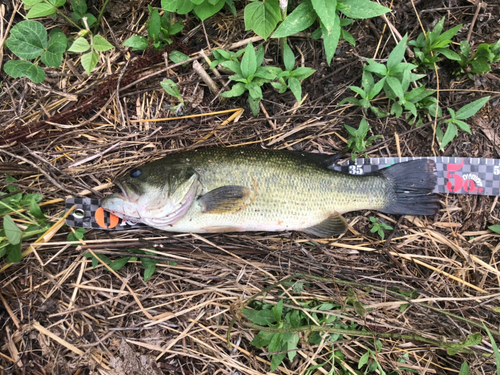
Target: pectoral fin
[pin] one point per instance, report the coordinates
(225, 199)
(334, 225)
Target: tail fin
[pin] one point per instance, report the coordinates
(413, 183)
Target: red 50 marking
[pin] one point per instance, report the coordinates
(458, 183)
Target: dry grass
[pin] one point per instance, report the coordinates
(60, 315)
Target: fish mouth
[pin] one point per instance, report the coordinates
(129, 191)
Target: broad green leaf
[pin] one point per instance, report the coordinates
(363, 360)
(35, 210)
(346, 35)
(137, 42)
(300, 19)
(178, 6)
(278, 310)
(495, 228)
(396, 86)
(177, 56)
(118, 264)
(464, 369)
(149, 267)
(29, 3)
(171, 88)
(262, 18)
(267, 72)
(19, 68)
(480, 66)
(79, 6)
(288, 57)
(326, 11)
(331, 38)
(254, 105)
(296, 88)
(462, 125)
(248, 62)
(375, 67)
(262, 339)
(276, 360)
(100, 44)
(14, 253)
(89, 61)
(57, 3)
(237, 90)
(358, 90)
(396, 109)
(259, 55)
(376, 89)
(41, 10)
(451, 133)
(12, 231)
(276, 343)
(231, 65)
(471, 109)
(55, 49)
(205, 10)
(397, 55)
(361, 9)
(254, 90)
(28, 39)
(260, 317)
(449, 54)
(79, 45)
(409, 106)
(448, 34)
(153, 25)
(292, 346)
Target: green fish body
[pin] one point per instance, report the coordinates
(235, 189)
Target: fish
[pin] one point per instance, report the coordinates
(244, 189)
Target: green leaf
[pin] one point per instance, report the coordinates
(57, 3)
(300, 19)
(12, 231)
(29, 3)
(302, 72)
(292, 346)
(495, 228)
(480, 66)
(397, 55)
(171, 88)
(276, 343)
(464, 369)
(153, 25)
(471, 109)
(55, 49)
(451, 133)
(331, 38)
(118, 264)
(177, 56)
(260, 317)
(449, 54)
(205, 9)
(254, 105)
(375, 67)
(149, 267)
(262, 17)
(326, 11)
(137, 42)
(89, 61)
(462, 125)
(248, 62)
(19, 68)
(28, 39)
(79, 6)
(14, 253)
(277, 310)
(100, 44)
(276, 361)
(396, 86)
(90, 19)
(254, 90)
(361, 9)
(268, 72)
(262, 339)
(178, 6)
(35, 210)
(41, 10)
(495, 348)
(79, 45)
(288, 57)
(237, 90)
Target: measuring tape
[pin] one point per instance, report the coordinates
(471, 176)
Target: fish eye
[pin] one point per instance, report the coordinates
(135, 173)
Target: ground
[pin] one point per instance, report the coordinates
(74, 133)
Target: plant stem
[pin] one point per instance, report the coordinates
(101, 13)
(17, 212)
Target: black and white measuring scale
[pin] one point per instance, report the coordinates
(473, 176)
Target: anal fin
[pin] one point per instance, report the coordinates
(225, 199)
(334, 225)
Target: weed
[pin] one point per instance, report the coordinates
(171, 88)
(429, 46)
(495, 228)
(378, 227)
(456, 122)
(31, 223)
(357, 142)
(202, 8)
(479, 63)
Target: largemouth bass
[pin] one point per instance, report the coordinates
(235, 189)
